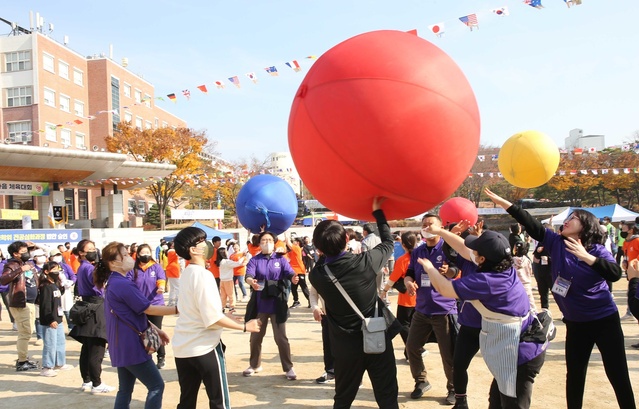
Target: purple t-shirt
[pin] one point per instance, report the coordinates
(429, 301)
(588, 297)
(468, 315)
(147, 281)
(502, 293)
(263, 267)
(126, 300)
(86, 288)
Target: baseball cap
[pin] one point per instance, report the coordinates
(54, 252)
(492, 245)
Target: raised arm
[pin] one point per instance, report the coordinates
(534, 228)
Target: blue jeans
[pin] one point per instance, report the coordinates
(54, 346)
(149, 375)
(39, 328)
(240, 281)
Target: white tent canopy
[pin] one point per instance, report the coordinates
(615, 212)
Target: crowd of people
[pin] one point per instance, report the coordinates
(461, 286)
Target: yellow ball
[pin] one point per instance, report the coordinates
(528, 159)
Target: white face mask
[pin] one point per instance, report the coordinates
(128, 264)
(426, 234)
(267, 248)
(473, 258)
(57, 259)
(39, 260)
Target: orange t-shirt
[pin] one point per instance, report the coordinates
(74, 262)
(241, 270)
(399, 272)
(66, 256)
(212, 267)
(631, 249)
(295, 257)
(254, 250)
(281, 246)
(173, 267)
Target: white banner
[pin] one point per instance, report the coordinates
(194, 214)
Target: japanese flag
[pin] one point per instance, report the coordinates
(437, 29)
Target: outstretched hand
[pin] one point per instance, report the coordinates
(377, 202)
(498, 200)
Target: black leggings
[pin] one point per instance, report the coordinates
(157, 321)
(607, 334)
(91, 356)
(466, 347)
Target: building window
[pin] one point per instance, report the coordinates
(80, 140)
(83, 204)
(127, 90)
(19, 131)
(65, 137)
(147, 100)
(63, 69)
(115, 102)
(157, 123)
(138, 96)
(128, 117)
(69, 202)
(148, 124)
(65, 103)
(141, 207)
(51, 132)
(132, 206)
(78, 108)
(78, 77)
(138, 123)
(19, 97)
(164, 124)
(18, 61)
(49, 97)
(21, 202)
(48, 62)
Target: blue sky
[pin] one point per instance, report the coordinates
(552, 69)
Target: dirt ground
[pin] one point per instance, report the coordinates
(270, 388)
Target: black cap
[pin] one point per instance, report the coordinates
(492, 245)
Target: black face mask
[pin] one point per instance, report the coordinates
(623, 234)
(144, 259)
(54, 275)
(91, 255)
(25, 257)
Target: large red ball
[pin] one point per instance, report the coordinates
(457, 209)
(385, 113)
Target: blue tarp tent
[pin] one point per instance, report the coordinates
(210, 233)
(615, 212)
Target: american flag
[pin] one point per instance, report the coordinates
(470, 20)
(186, 93)
(235, 81)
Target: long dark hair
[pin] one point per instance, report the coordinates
(409, 240)
(81, 245)
(591, 233)
(102, 271)
(44, 279)
(499, 267)
(137, 267)
(221, 255)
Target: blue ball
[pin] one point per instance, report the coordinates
(266, 200)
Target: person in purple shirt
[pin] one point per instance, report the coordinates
(127, 307)
(431, 311)
(269, 274)
(580, 267)
(92, 334)
(496, 292)
(150, 278)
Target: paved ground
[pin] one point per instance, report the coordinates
(270, 389)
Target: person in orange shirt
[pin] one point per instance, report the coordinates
(297, 263)
(254, 245)
(405, 302)
(74, 260)
(173, 274)
(239, 272)
(66, 253)
(213, 267)
(631, 245)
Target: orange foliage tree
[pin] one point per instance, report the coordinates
(180, 147)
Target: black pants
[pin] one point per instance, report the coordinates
(466, 347)
(91, 356)
(619, 255)
(326, 346)
(5, 301)
(543, 276)
(607, 334)
(350, 364)
(157, 321)
(209, 369)
(526, 374)
(404, 316)
(301, 283)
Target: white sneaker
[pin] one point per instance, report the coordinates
(250, 371)
(65, 367)
(290, 375)
(48, 372)
(628, 316)
(38, 342)
(87, 386)
(14, 327)
(106, 354)
(102, 388)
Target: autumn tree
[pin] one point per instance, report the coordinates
(180, 147)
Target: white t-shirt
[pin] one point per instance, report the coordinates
(195, 333)
(226, 269)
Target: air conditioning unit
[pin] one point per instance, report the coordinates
(95, 148)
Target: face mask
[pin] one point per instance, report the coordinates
(128, 264)
(54, 275)
(623, 234)
(39, 260)
(165, 247)
(473, 258)
(144, 258)
(267, 248)
(25, 257)
(426, 234)
(91, 255)
(57, 259)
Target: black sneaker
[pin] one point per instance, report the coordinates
(450, 398)
(161, 363)
(635, 346)
(26, 366)
(296, 304)
(461, 403)
(420, 388)
(325, 378)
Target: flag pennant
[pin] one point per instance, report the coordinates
(186, 93)
(470, 20)
(203, 88)
(235, 81)
(592, 149)
(172, 97)
(272, 71)
(502, 11)
(311, 57)
(481, 158)
(437, 29)
(219, 84)
(252, 77)
(294, 65)
(78, 122)
(578, 151)
(494, 157)
(625, 148)
(534, 3)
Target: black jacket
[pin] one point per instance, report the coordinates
(49, 297)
